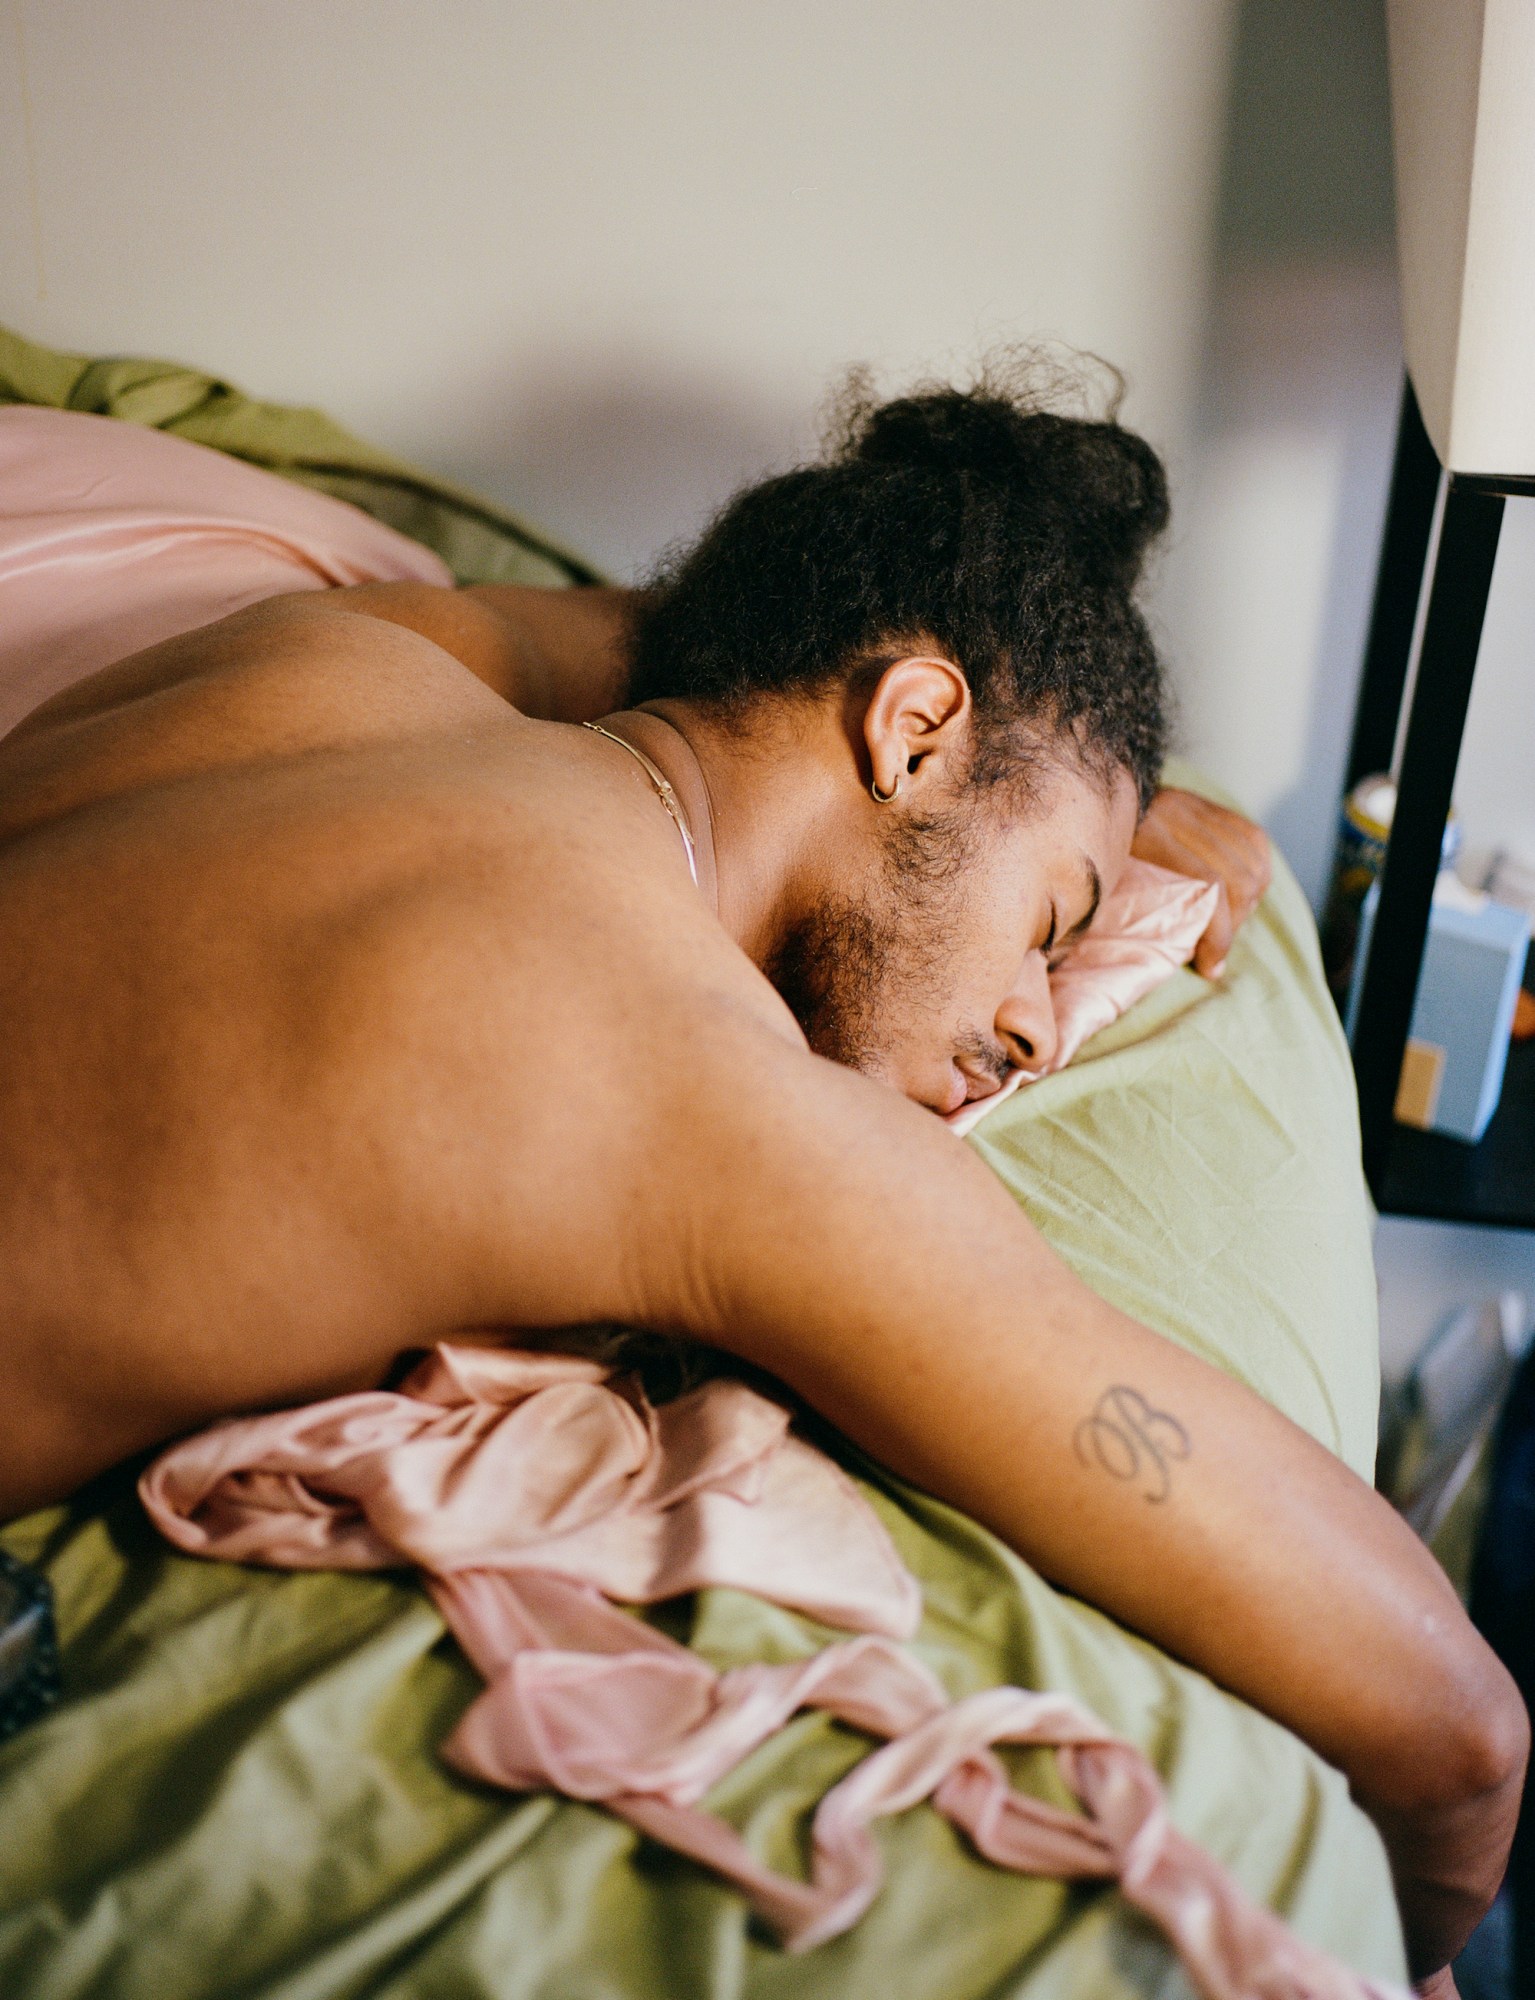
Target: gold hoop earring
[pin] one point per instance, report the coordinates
(883, 798)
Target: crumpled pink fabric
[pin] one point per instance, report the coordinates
(533, 1490)
(1145, 928)
(114, 537)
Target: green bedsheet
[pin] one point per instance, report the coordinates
(241, 1797)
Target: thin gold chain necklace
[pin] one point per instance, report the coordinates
(664, 793)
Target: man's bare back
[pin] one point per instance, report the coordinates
(349, 1019)
(358, 1010)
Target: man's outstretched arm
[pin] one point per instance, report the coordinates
(841, 1239)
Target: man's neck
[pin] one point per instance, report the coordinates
(757, 801)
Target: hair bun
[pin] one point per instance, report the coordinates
(1084, 482)
(1003, 525)
(944, 431)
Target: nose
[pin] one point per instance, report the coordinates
(1026, 1018)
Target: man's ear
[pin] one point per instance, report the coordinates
(920, 710)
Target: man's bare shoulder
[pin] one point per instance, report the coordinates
(283, 677)
(416, 1007)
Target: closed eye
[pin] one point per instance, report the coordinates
(1062, 946)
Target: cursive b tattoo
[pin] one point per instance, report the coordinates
(1131, 1440)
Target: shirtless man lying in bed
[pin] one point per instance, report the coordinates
(349, 1007)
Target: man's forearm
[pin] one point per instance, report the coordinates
(1447, 1862)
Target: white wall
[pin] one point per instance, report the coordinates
(1495, 786)
(1272, 581)
(604, 260)
(1281, 529)
(1271, 584)
(1299, 390)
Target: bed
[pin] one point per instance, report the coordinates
(240, 1795)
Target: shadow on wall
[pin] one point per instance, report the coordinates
(1282, 523)
(1359, 305)
(619, 454)
(1269, 587)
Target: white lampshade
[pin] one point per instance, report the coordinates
(1463, 126)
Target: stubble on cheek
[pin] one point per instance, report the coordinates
(828, 968)
(860, 975)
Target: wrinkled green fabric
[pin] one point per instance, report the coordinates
(241, 1795)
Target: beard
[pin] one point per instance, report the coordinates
(850, 967)
(831, 967)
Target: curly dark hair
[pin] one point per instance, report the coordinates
(1004, 534)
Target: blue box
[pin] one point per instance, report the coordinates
(1452, 1073)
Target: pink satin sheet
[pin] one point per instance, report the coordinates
(113, 537)
(538, 1493)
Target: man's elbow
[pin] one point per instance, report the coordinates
(1457, 1740)
(1486, 1747)
(1450, 1807)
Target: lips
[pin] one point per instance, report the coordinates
(958, 1092)
(969, 1087)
